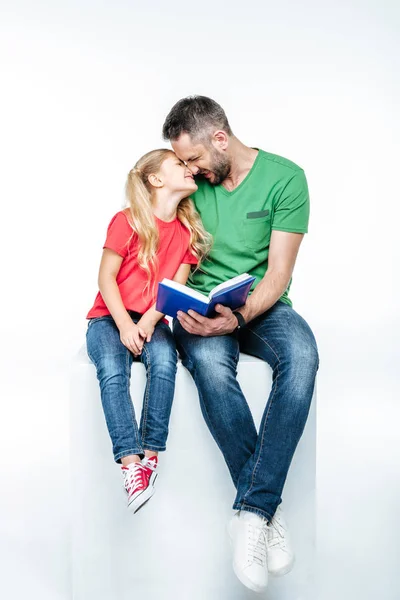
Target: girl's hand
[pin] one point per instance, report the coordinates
(148, 326)
(133, 337)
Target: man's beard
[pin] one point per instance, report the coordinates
(220, 168)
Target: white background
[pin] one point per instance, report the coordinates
(85, 89)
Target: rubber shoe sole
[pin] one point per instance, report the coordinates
(283, 571)
(144, 496)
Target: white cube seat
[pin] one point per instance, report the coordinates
(177, 546)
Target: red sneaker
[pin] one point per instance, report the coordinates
(136, 482)
(150, 464)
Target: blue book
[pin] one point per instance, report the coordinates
(173, 296)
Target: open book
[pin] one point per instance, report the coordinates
(173, 296)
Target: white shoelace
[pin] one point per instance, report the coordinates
(134, 478)
(151, 464)
(276, 533)
(257, 543)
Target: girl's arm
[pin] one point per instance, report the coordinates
(182, 274)
(131, 335)
(151, 317)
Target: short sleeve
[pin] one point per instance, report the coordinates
(119, 234)
(189, 258)
(292, 209)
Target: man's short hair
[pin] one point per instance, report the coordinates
(197, 116)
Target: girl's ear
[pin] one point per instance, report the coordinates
(154, 180)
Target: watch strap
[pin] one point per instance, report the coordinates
(240, 319)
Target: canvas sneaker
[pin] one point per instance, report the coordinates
(151, 464)
(248, 532)
(280, 553)
(136, 483)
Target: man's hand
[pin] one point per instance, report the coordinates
(225, 322)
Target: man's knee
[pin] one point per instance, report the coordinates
(209, 355)
(305, 354)
(300, 366)
(299, 350)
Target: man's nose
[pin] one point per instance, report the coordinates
(194, 170)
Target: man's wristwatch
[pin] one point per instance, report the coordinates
(240, 320)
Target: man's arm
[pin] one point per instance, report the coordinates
(282, 256)
(281, 260)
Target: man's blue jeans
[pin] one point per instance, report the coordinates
(258, 463)
(113, 363)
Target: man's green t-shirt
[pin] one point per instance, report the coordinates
(274, 195)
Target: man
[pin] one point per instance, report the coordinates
(256, 206)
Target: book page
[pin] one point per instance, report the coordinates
(184, 289)
(228, 283)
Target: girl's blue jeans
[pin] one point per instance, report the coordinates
(113, 363)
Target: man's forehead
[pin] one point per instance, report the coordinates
(185, 148)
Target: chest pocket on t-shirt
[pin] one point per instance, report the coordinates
(257, 230)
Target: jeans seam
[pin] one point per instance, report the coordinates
(265, 423)
(213, 432)
(192, 370)
(128, 374)
(88, 353)
(266, 343)
(147, 392)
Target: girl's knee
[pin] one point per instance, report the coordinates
(110, 366)
(164, 358)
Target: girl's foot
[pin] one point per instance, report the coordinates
(136, 482)
(151, 464)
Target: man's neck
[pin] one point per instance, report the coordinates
(243, 159)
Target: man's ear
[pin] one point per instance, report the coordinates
(220, 139)
(155, 181)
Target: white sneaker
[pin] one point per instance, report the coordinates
(279, 548)
(248, 532)
(136, 483)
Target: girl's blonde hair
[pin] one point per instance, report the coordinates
(138, 193)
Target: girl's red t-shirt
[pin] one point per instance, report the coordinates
(173, 250)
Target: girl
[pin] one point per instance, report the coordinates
(158, 235)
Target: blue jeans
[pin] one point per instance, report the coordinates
(113, 363)
(258, 462)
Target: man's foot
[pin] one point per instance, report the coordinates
(248, 532)
(279, 548)
(150, 464)
(136, 482)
